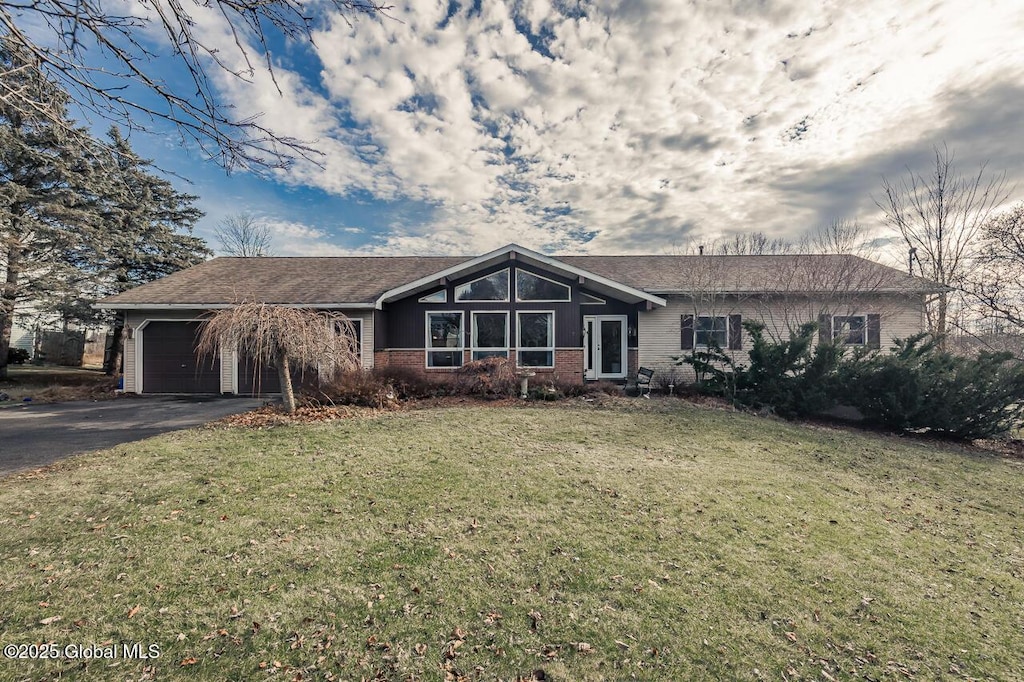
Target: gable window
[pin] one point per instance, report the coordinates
(850, 329)
(493, 287)
(712, 330)
(490, 335)
(589, 299)
(531, 287)
(444, 339)
(536, 331)
(436, 297)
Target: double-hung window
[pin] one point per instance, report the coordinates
(490, 335)
(711, 330)
(536, 339)
(444, 339)
(850, 329)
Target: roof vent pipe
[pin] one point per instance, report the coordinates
(700, 250)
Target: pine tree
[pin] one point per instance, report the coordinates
(42, 212)
(145, 227)
(79, 219)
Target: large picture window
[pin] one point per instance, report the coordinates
(712, 330)
(493, 287)
(490, 335)
(444, 339)
(531, 287)
(536, 332)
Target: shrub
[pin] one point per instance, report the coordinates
(488, 378)
(355, 387)
(408, 384)
(17, 356)
(921, 387)
(790, 378)
(917, 387)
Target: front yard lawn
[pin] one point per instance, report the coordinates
(643, 540)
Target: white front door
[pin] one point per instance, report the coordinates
(604, 347)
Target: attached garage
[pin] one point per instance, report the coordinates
(251, 382)
(170, 363)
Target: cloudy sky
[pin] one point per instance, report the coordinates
(615, 126)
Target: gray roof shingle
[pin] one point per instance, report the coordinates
(362, 279)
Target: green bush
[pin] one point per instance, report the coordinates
(921, 387)
(917, 387)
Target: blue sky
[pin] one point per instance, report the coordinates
(612, 127)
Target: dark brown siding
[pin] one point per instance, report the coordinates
(406, 319)
(169, 361)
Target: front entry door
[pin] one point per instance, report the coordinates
(604, 346)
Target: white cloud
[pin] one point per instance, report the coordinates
(624, 125)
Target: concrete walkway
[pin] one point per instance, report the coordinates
(36, 435)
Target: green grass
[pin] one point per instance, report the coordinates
(642, 540)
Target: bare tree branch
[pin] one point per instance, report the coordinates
(284, 338)
(940, 218)
(244, 235)
(81, 27)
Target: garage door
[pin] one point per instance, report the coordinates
(251, 382)
(169, 362)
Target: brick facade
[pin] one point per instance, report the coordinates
(568, 364)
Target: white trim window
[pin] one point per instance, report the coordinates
(710, 329)
(536, 338)
(444, 339)
(436, 297)
(536, 289)
(492, 287)
(851, 330)
(490, 334)
(590, 299)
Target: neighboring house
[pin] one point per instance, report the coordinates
(575, 317)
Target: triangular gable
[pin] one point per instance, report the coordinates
(593, 281)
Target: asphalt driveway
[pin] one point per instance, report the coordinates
(37, 435)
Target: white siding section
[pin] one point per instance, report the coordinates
(660, 329)
(22, 337)
(366, 353)
(227, 370)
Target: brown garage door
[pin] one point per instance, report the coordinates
(169, 362)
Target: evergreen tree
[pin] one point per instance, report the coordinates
(79, 219)
(42, 212)
(145, 228)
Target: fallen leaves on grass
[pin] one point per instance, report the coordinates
(267, 417)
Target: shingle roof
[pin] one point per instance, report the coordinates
(307, 281)
(803, 273)
(362, 279)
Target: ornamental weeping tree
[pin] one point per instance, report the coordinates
(283, 338)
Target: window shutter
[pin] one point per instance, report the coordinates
(875, 331)
(735, 332)
(825, 329)
(686, 324)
